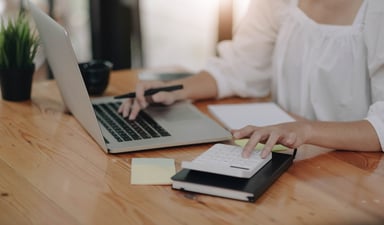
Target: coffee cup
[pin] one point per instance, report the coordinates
(96, 75)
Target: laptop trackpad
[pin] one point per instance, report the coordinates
(175, 112)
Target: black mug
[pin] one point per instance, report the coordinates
(96, 74)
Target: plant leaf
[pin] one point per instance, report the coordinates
(18, 43)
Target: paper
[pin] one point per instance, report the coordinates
(235, 116)
(260, 146)
(152, 171)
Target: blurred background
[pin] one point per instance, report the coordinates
(141, 33)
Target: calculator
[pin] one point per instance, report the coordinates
(226, 160)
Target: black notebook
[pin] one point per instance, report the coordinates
(245, 189)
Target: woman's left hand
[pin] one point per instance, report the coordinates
(291, 135)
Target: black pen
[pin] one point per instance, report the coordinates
(151, 91)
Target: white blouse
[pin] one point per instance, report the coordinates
(322, 72)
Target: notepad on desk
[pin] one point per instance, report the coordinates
(152, 171)
(236, 116)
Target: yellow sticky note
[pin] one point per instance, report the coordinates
(259, 146)
(152, 171)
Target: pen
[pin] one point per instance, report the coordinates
(151, 91)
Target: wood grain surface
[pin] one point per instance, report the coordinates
(53, 172)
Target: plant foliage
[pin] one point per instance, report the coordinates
(18, 43)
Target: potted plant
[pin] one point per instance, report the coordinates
(18, 47)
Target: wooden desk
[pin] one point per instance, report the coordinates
(52, 172)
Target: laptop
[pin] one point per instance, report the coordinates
(175, 125)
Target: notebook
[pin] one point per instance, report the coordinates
(236, 116)
(182, 123)
(244, 189)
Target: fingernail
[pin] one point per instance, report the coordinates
(263, 155)
(245, 154)
(125, 114)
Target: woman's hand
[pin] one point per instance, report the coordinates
(291, 135)
(131, 107)
(199, 86)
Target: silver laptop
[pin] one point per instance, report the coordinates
(179, 124)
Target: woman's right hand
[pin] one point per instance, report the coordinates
(131, 106)
(199, 86)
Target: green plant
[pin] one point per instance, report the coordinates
(18, 43)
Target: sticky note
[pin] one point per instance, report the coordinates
(152, 171)
(259, 146)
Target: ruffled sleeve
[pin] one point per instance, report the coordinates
(374, 37)
(243, 67)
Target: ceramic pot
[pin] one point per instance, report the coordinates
(16, 84)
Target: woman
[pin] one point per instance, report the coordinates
(320, 59)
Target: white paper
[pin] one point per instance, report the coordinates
(235, 116)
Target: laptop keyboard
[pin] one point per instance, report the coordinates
(122, 129)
